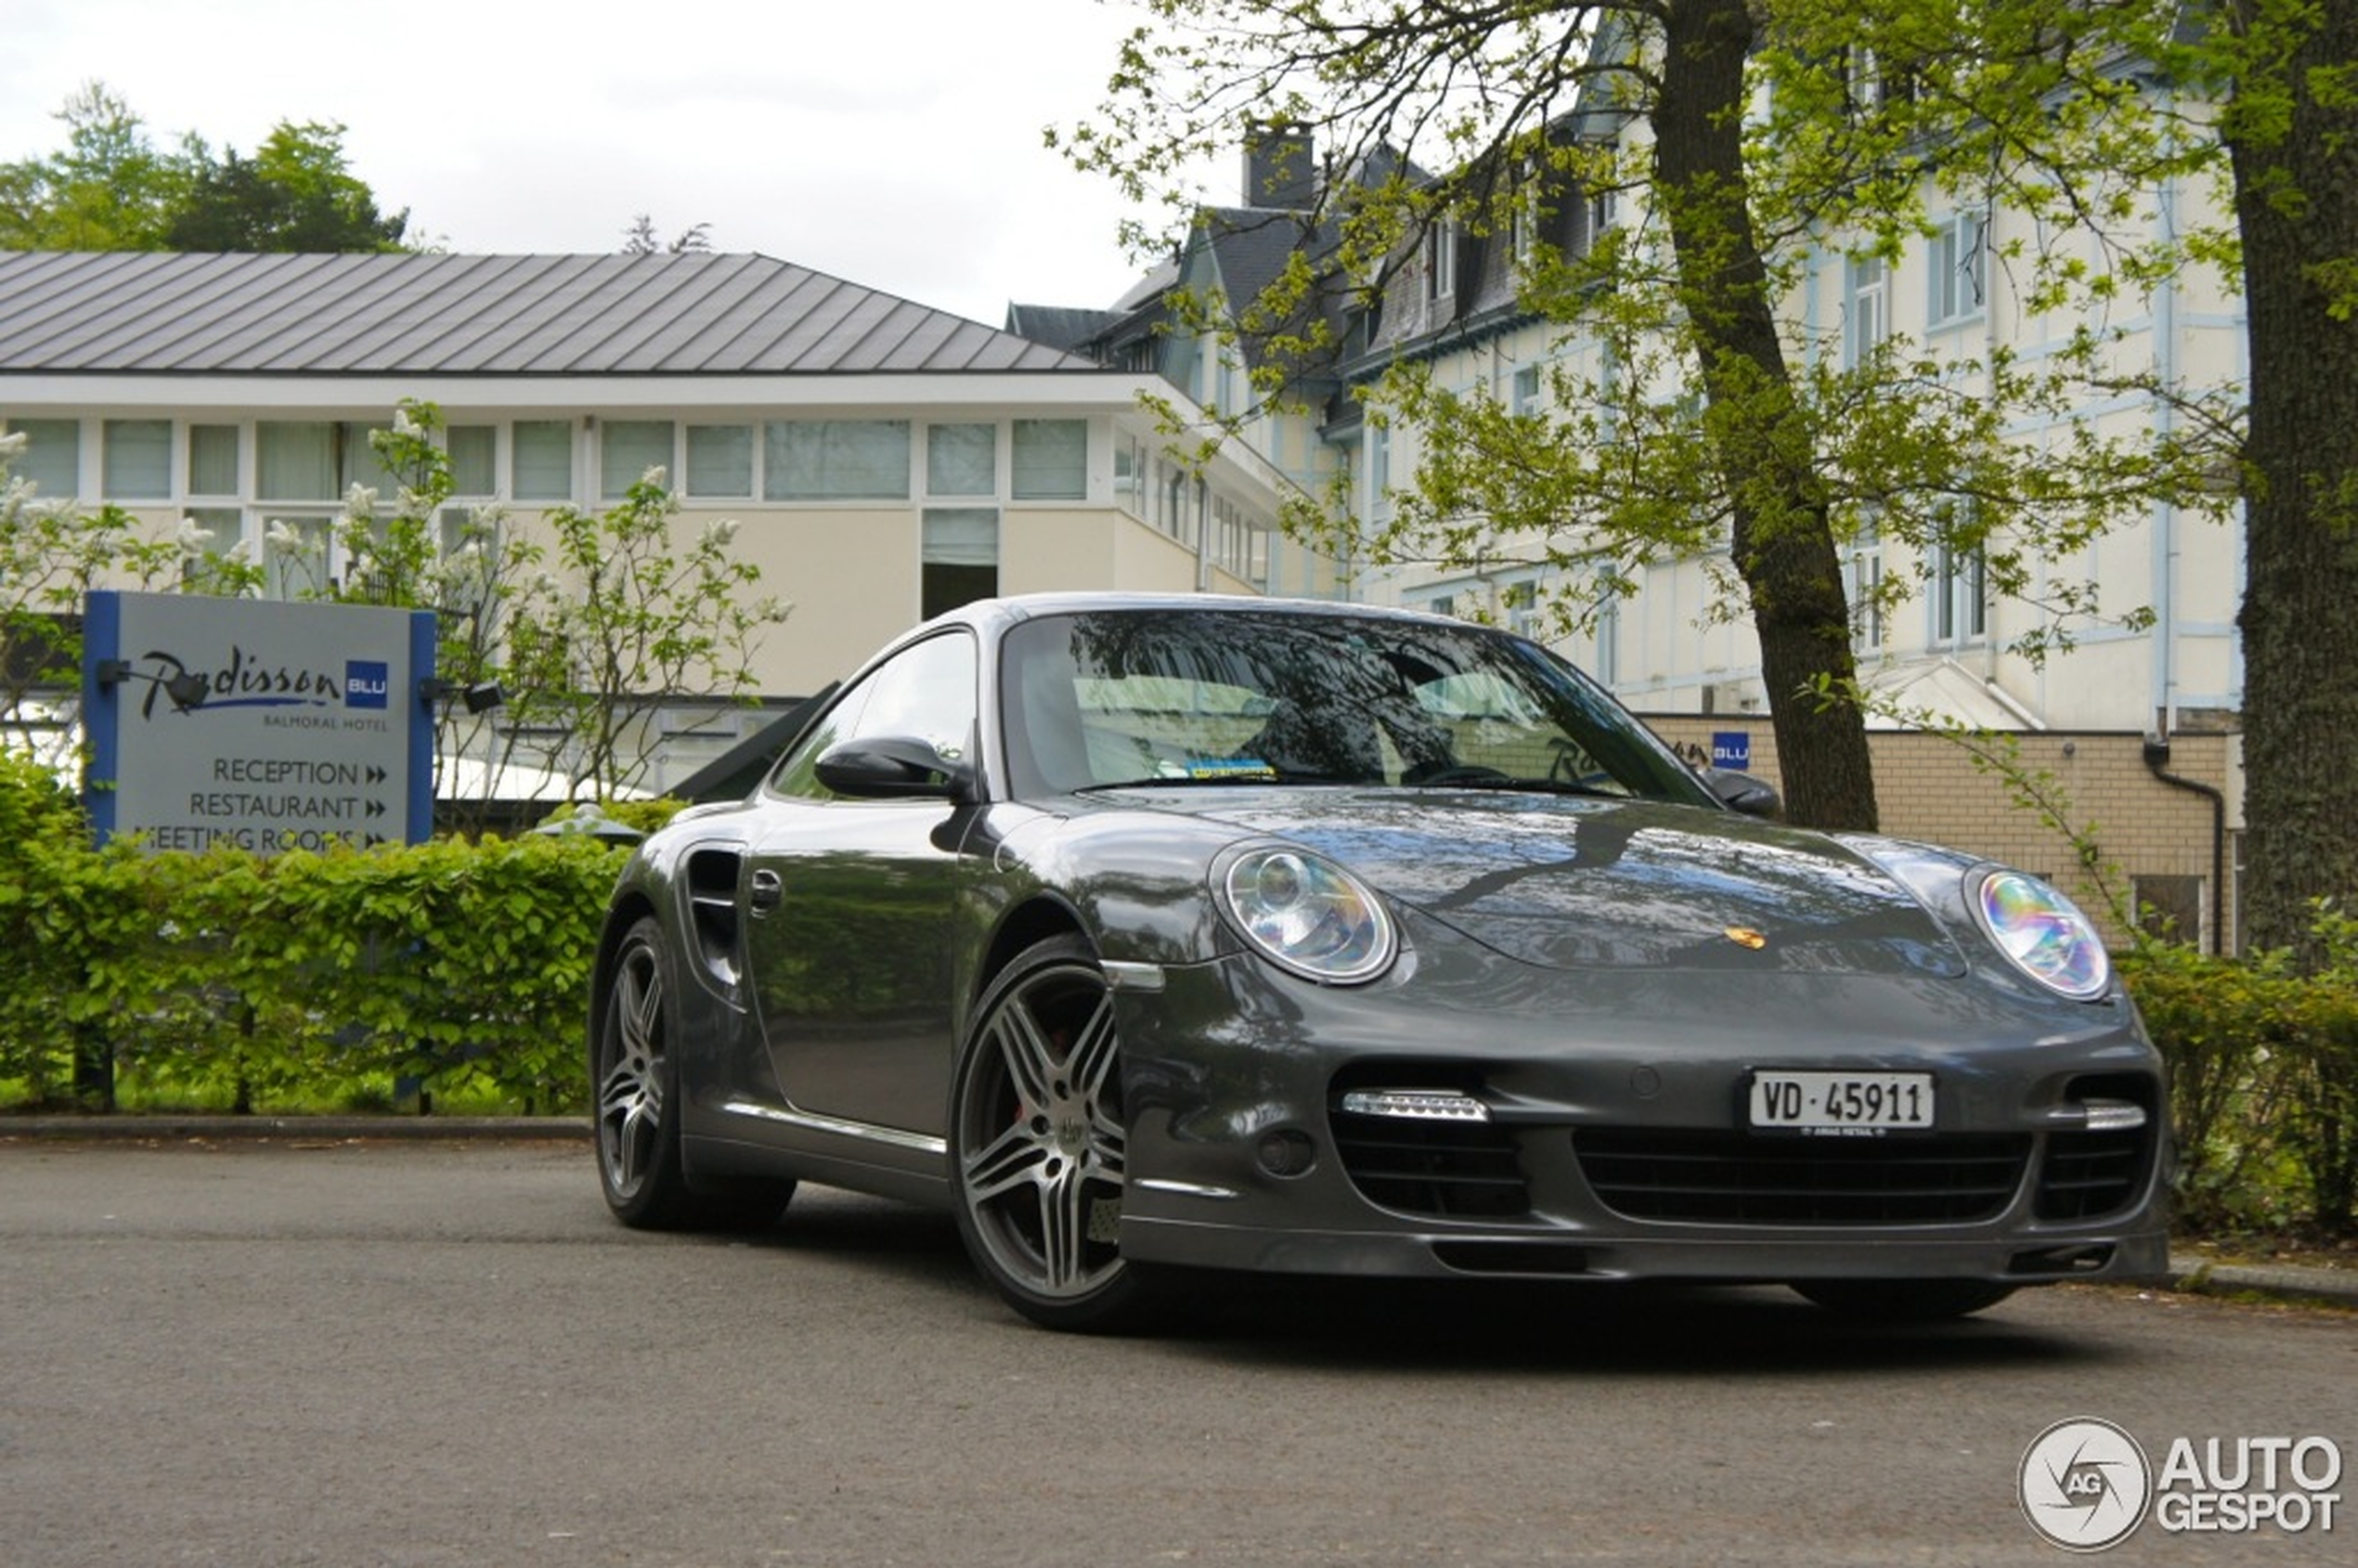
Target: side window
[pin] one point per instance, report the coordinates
(927, 691)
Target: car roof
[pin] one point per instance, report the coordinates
(1001, 613)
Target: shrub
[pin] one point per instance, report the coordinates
(225, 977)
(2263, 1063)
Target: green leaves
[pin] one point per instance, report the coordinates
(111, 188)
(2264, 1062)
(309, 978)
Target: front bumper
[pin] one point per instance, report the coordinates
(1614, 1148)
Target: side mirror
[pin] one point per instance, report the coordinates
(1741, 792)
(893, 768)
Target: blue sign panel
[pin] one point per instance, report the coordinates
(365, 682)
(1732, 749)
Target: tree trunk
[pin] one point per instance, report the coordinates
(2297, 206)
(1782, 544)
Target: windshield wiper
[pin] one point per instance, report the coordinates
(1487, 780)
(1193, 781)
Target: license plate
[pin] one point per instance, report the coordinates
(1841, 1103)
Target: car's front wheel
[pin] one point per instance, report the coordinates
(1037, 1143)
(634, 1071)
(1903, 1301)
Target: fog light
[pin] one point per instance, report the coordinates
(2113, 1116)
(1416, 1105)
(1286, 1152)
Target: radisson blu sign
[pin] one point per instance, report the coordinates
(258, 724)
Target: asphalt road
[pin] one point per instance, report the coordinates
(265, 1354)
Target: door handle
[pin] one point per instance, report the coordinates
(766, 891)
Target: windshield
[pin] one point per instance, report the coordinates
(1176, 696)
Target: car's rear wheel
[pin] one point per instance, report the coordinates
(635, 1074)
(1903, 1301)
(1038, 1142)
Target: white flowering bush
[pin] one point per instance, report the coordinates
(52, 553)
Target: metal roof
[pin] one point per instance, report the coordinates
(146, 312)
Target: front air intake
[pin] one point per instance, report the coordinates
(1729, 1178)
(1428, 1149)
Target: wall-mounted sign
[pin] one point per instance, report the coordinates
(1732, 749)
(264, 725)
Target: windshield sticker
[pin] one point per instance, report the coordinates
(1229, 768)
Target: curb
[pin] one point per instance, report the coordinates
(2202, 1277)
(109, 1128)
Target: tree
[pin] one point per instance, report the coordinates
(2287, 75)
(108, 189)
(295, 194)
(590, 632)
(640, 239)
(111, 188)
(1741, 140)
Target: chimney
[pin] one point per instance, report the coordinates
(1281, 168)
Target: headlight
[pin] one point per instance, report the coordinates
(1308, 915)
(2044, 934)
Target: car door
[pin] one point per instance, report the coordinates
(851, 902)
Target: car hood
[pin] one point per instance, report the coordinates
(1576, 882)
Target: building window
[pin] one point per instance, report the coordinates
(1239, 543)
(1051, 461)
(356, 462)
(315, 461)
(1378, 471)
(1441, 259)
(1866, 316)
(1526, 389)
(1133, 475)
(213, 460)
(1520, 602)
(1178, 516)
(2169, 907)
(629, 450)
(962, 460)
(1871, 86)
(1866, 589)
(543, 457)
(1956, 260)
(1526, 214)
(720, 461)
(297, 461)
(959, 559)
(834, 459)
(51, 461)
(1960, 595)
(136, 460)
(474, 460)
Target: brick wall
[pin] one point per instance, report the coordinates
(2146, 831)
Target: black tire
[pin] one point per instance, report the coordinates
(1037, 1146)
(635, 1076)
(1903, 1301)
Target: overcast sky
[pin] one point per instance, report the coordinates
(894, 143)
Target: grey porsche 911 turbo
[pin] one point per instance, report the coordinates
(1157, 936)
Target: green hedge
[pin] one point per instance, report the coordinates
(2263, 1064)
(306, 980)
(461, 969)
